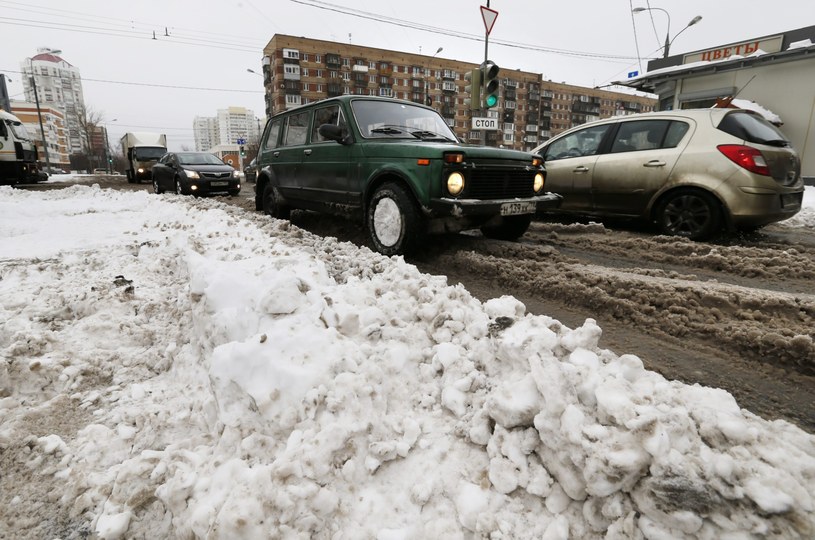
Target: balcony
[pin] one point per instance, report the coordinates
(448, 110)
(334, 89)
(333, 61)
(361, 80)
(385, 69)
(449, 86)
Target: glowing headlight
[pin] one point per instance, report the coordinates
(538, 185)
(455, 183)
(141, 170)
(192, 175)
(236, 174)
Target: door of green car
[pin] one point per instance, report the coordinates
(288, 155)
(326, 169)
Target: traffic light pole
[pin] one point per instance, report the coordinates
(483, 82)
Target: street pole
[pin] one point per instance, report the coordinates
(39, 116)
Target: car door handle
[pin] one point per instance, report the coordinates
(276, 154)
(654, 163)
(307, 152)
(580, 168)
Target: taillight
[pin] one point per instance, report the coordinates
(745, 156)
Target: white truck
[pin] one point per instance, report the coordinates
(141, 152)
(18, 154)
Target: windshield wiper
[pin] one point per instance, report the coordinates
(389, 130)
(424, 134)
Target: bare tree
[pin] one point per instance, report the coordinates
(89, 122)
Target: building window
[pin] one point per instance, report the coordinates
(291, 53)
(386, 92)
(345, 62)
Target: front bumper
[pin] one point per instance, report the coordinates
(446, 206)
(206, 187)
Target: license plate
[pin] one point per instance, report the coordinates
(517, 208)
(216, 184)
(790, 199)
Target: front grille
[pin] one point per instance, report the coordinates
(216, 174)
(500, 183)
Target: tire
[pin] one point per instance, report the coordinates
(511, 228)
(689, 213)
(272, 206)
(129, 174)
(234, 193)
(178, 189)
(394, 222)
(156, 188)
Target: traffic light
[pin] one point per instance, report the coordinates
(489, 73)
(473, 88)
(243, 151)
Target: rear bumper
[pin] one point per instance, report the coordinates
(476, 207)
(757, 209)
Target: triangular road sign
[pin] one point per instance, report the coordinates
(489, 16)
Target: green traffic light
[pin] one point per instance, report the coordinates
(491, 101)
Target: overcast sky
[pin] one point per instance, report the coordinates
(201, 64)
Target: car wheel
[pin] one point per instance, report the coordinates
(511, 228)
(272, 206)
(234, 192)
(156, 188)
(394, 222)
(693, 214)
(129, 177)
(178, 189)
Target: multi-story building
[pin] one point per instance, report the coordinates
(205, 130)
(59, 85)
(530, 110)
(53, 122)
(227, 127)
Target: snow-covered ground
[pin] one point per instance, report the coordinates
(176, 367)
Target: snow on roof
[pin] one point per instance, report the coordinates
(753, 106)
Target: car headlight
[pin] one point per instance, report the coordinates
(141, 170)
(192, 175)
(455, 183)
(236, 174)
(538, 185)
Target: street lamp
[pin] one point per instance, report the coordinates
(107, 148)
(39, 112)
(427, 99)
(668, 39)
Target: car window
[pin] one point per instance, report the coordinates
(326, 115)
(639, 135)
(274, 131)
(676, 132)
(295, 129)
(752, 128)
(585, 142)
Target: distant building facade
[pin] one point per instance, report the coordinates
(776, 72)
(299, 70)
(227, 127)
(59, 86)
(53, 121)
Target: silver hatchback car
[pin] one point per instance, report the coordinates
(692, 172)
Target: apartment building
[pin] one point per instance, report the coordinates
(53, 122)
(59, 86)
(226, 128)
(530, 110)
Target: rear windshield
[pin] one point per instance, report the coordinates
(753, 129)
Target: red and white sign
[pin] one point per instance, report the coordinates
(489, 16)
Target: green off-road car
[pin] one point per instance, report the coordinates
(400, 166)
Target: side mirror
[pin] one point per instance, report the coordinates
(334, 132)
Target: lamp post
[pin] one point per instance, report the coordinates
(39, 112)
(668, 39)
(107, 148)
(427, 99)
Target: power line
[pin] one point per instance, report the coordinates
(156, 85)
(444, 31)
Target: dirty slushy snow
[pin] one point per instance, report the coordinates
(175, 367)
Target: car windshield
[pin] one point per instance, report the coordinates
(148, 153)
(19, 130)
(198, 158)
(391, 119)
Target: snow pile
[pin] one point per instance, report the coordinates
(188, 370)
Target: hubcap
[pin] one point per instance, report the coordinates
(387, 222)
(687, 215)
(178, 186)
